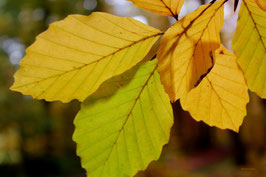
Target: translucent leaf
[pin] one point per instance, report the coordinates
(220, 98)
(249, 45)
(74, 56)
(121, 131)
(162, 7)
(184, 53)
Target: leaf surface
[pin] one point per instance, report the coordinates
(261, 4)
(220, 98)
(119, 133)
(249, 45)
(162, 7)
(184, 53)
(74, 56)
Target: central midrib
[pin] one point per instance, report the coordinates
(102, 58)
(126, 119)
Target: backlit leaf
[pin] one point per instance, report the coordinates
(118, 134)
(163, 7)
(74, 56)
(249, 45)
(184, 54)
(220, 98)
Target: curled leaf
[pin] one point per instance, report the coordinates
(184, 51)
(220, 98)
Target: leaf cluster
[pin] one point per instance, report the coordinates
(126, 117)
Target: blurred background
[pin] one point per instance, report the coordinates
(36, 136)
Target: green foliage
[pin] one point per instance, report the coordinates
(120, 133)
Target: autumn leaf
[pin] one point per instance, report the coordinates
(184, 52)
(220, 98)
(249, 45)
(118, 134)
(74, 56)
(162, 7)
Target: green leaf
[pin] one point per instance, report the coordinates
(123, 130)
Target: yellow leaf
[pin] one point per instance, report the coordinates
(184, 54)
(162, 7)
(74, 56)
(261, 4)
(249, 45)
(221, 97)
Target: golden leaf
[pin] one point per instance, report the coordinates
(184, 54)
(74, 56)
(220, 98)
(162, 7)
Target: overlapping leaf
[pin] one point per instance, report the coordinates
(220, 98)
(163, 7)
(184, 54)
(249, 45)
(74, 56)
(119, 134)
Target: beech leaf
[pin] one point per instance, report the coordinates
(184, 51)
(249, 45)
(162, 7)
(220, 98)
(76, 55)
(120, 132)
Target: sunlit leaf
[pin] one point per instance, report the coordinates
(121, 132)
(163, 7)
(220, 98)
(249, 45)
(74, 56)
(184, 54)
